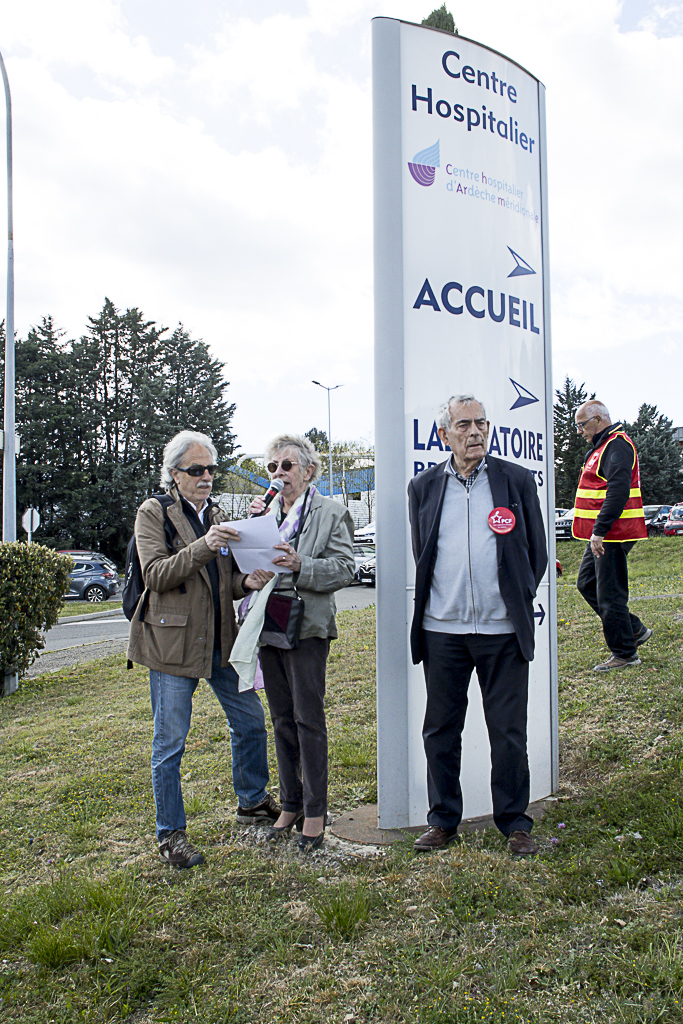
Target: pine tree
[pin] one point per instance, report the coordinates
(661, 468)
(441, 18)
(570, 448)
(196, 391)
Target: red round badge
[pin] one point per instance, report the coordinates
(502, 520)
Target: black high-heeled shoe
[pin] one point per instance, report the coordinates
(309, 843)
(276, 832)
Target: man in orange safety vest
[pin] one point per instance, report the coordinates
(608, 514)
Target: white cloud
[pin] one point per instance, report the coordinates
(82, 33)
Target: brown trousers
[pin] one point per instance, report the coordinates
(295, 687)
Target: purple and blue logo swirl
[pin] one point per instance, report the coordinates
(424, 164)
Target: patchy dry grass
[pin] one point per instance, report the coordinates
(95, 928)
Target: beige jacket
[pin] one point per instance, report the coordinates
(177, 633)
(327, 564)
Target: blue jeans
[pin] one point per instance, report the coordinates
(172, 709)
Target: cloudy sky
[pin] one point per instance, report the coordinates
(211, 163)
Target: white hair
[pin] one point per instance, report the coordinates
(308, 456)
(597, 408)
(175, 450)
(443, 416)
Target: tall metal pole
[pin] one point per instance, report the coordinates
(9, 468)
(329, 426)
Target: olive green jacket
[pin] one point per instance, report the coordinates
(177, 633)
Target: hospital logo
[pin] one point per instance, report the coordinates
(424, 164)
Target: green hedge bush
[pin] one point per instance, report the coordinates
(33, 581)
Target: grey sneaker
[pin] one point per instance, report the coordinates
(264, 813)
(615, 662)
(179, 852)
(643, 636)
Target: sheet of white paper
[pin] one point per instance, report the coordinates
(254, 550)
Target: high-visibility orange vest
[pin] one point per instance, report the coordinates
(592, 491)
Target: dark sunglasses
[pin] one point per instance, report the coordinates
(196, 470)
(286, 464)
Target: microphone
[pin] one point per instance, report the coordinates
(274, 489)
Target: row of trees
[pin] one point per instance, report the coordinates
(94, 414)
(652, 433)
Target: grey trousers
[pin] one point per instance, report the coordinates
(295, 687)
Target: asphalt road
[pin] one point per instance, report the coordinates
(87, 637)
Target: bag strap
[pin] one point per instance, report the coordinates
(295, 542)
(302, 520)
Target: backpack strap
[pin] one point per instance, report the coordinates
(165, 500)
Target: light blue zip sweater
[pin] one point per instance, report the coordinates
(465, 596)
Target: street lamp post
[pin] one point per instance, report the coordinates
(329, 425)
(9, 478)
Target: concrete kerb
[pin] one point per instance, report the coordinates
(90, 615)
(360, 825)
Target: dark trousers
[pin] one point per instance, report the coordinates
(295, 687)
(504, 682)
(603, 583)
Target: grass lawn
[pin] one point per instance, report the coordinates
(94, 927)
(85, 607)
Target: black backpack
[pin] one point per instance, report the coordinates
(134, 584)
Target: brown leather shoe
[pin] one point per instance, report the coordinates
(435, 838)
(521, 844)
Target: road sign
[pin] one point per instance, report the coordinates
(30, 521)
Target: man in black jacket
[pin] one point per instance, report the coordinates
(480, 551)
(609, 515)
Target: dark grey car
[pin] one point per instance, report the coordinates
(367, 573)
(92, 580)
(361, 552)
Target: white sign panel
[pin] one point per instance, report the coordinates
(31, 520)
(461, 293)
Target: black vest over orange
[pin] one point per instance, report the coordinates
(591, 494)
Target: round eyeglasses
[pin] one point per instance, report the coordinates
(286, 464)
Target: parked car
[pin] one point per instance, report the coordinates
(563, 526)
(361, 552)
(674, 525)
(655, 518)
(367, 572)
(94, 580)
(560, 512)
(88, 556)
(365, 535)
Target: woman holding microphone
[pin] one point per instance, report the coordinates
(316, 550)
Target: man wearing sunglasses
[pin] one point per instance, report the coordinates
(609, 515)
(183, 629)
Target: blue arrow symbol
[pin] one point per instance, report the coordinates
(524, 397)
(522, 267)
(540, 614)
